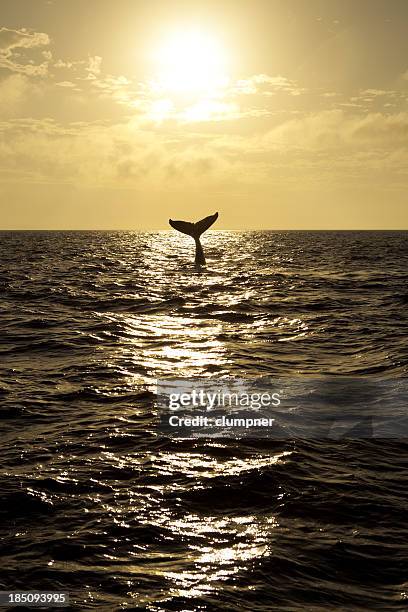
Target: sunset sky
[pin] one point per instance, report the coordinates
(279, 114)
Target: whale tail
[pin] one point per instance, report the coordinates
(195, 230)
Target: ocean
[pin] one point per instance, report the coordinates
(97, 502)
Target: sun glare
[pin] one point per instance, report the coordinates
(191, 63)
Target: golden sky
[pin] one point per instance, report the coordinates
(286, 114)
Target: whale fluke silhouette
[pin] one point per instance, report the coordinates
(195, 230)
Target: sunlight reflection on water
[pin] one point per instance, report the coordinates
(212, 558)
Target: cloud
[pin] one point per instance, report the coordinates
(376, 92)
(98, 154)
(93, 67)
(225, 102)
(336, 129)
(377, 97)
(21, 39)
(267, 85)
(382, 129)
(331, 149)
(63, 64)
(118, 88)
(14, 92)
(17, 49)
(67, 84)
(209, 110)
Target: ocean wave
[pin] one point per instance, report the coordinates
(93, 494)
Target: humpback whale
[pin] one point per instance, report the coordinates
(195, 230)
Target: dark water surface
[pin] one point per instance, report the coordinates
(94, 501)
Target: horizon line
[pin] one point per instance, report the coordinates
(268, 229)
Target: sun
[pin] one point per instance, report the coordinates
(191, 63)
